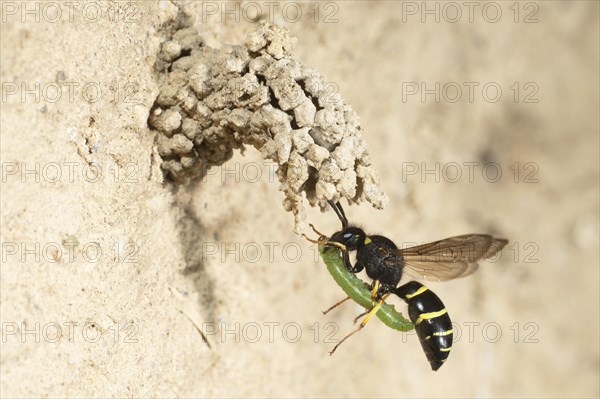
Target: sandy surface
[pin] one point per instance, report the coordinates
(108, 273)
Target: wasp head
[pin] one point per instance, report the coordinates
(351, 237)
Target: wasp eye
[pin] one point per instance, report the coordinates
(347, 235)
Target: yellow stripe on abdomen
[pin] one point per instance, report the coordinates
(417, 292)
(430, 315)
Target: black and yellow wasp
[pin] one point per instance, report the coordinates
(385, 263)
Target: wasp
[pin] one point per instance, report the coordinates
(385, 264)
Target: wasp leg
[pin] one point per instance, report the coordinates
(312, 226)
(383, 298)
(325, 242)
(361, 325)
(360, 315)
(374, 292)
(336, 305)
(357, 268)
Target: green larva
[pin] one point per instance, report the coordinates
(357, 290)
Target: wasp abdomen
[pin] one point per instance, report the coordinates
(431, 320)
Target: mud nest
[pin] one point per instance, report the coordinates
(214, 101)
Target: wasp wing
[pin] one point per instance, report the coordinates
(448, 258)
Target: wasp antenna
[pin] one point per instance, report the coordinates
(339, 211)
